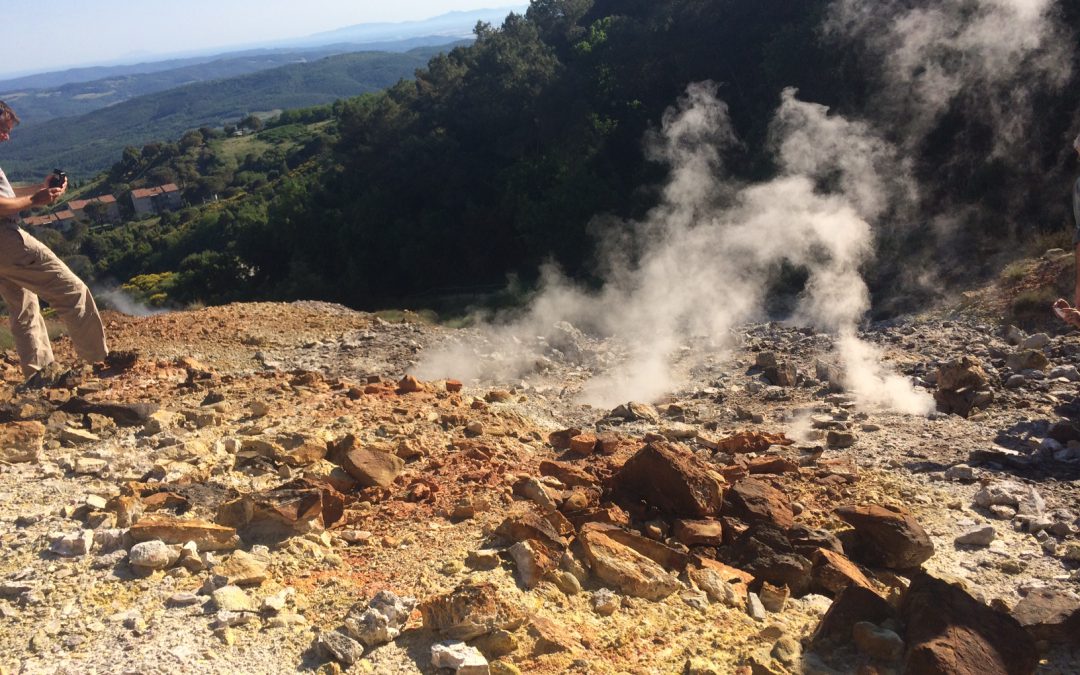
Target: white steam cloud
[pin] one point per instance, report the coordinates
(121, 301)
(701, 262)
(989, 55)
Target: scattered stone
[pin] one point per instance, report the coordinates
(604, 602)
(72, 545)
(716, 588)
(244, 569)
(483, 559)
(1029, 359)
(960, 472)
(459, 657)
(840, 439)
(699, 532)
(833, 572)
(381, 620)
(583, 444)
(853, 605)
(773, 598)
(550, 637)
(979, 536)
(152, 555)
(755, 608)
(533, 562)
(1036, 341)
(232, 599)
(371, 468)
(339, 647)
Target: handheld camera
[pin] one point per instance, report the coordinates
(57, 179)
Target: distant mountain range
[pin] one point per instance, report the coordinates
(65, 95)
(371, 36)
(92, 142)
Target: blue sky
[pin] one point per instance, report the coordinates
(40, 36)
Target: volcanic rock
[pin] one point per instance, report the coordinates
(339, 647)
(699, 532)
(853, 605)
(371, 468)
(978, 536)
(527, 524)
(889, 537)
(764, 552)
(757, 502)
(244, 569)
(670, 479)
(833, 572)
(533, 562)
(716, 588)
(151, 555)
(962, 386)
(206, 535)
(459, 657)
(1049, 616)
(624, 568)
(381, 620)
(1029, 359)
(21, 442)
(471, 610)
(550, 637)
(568, 474)
(950, 632)
(583, 444)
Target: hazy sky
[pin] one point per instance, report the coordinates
(39, 36)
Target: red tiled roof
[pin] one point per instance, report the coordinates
(79, 204)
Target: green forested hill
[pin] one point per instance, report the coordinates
(87, 144)
(500, 156)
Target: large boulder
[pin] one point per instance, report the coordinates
(888, 536)
(1050, 616)
(670, 479)
(371, 468)
(948, 632)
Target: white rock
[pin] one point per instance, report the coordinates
(459, 657)
(381, 621)
(72, 545)
(151, 555)
(979, 536)
(605, 602)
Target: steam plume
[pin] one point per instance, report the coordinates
(701, 261)
(987, 55)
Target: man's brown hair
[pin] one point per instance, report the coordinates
(6, 111)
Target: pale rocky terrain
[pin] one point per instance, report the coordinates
(236, 500)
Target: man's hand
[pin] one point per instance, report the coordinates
(46, 196)
(1066, 313)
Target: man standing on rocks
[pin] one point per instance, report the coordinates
(1071, 315)
(28, 269)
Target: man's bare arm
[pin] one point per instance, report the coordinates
(12, 206)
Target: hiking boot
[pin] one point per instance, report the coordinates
(46, 378)
(121, 360)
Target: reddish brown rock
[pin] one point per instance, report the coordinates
(699, 532)
(1049, 616)
(453, 386)
(765, 552)
(757, 502)
(751, 441)
(607, 443)
(409, 385)
(731, 575)
(772, 464)
(527, 524)
(948, 632)
(671, 480)
(560, 440)
(889, 537)
(625, 569)
(568, 474)
(371, 468)
(833, 573)
(854, 604)
(583, 444)
(608, 515)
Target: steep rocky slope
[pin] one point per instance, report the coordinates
(245, 496)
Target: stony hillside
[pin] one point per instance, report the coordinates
(268, 491)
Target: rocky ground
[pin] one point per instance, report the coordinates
(266, 491)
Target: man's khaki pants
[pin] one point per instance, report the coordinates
(28, 270)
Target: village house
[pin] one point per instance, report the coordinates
(156, 199)
(61, 220)
(112, 209)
